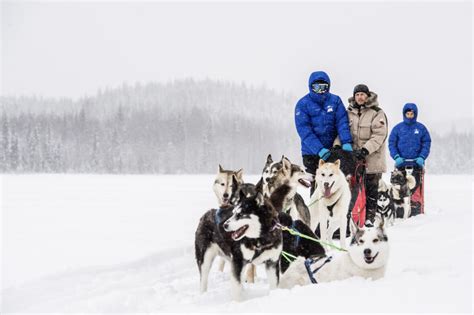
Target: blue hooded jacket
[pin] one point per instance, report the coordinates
(320, 118)
(409, 139)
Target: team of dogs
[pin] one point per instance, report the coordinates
(246, 229)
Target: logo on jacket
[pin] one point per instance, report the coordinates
(417, 131)
(330, 109)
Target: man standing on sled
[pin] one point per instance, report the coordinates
(319, 118)
(409, 140)
(369, 130)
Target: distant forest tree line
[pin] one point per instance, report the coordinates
(183, 127)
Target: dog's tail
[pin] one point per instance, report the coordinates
(411, 181)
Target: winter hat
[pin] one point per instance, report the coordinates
(361, 88)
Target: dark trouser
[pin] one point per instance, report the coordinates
(311, 163)
(371, 194)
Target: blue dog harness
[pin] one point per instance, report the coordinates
(309, 261)
(217, 217)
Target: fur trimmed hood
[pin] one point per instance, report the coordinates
(372, 101)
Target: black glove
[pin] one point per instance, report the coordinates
(361, 154)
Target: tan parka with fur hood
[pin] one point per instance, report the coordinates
(369, 129)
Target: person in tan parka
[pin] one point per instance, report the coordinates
(369, 130)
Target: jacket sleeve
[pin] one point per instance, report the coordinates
(379, 132)
(342, 122)
(305, 130)
(392, 142)
(425, 143)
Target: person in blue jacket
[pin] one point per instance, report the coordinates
(319, 118)
(409, 140)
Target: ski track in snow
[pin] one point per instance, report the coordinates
(427, 272)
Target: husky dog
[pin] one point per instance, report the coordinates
(367, 257)
(275, 174)
(292, 244)
(330, 201)
(223, 185)
(400, 192)
(384, 204)
(297, 245)
(247, 236)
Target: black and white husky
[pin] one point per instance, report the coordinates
(248, 234)
(367, 257)
(384, 203)
(275, 174)
(402, 186)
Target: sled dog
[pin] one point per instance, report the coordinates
(275, 174)
(330, 201)
(367, 257)
(400, 192)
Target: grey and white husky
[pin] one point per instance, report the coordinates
(247, 235)
(275, 174)
(367, 257)
(329, 205)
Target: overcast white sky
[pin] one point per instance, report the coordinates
(419, 52)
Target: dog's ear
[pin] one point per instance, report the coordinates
(259, 199)
(221, 170)
(338, 163)
(321, 162)
(269, 159)
(235, 185)
(286, 164)
(354, 227)
(239, 174)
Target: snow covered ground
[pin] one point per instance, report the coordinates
(95, 243)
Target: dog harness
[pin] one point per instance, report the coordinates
(217, 217)
(332, 206)
(259, 249)
(383, 210)
(309, 261)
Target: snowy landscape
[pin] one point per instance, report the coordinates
(114, 243)
(114, 117)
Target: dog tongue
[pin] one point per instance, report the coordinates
(327, 191)
(239, 232)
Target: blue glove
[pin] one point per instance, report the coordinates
(420, 161)
(399, 160)
(324, 154)
(347, 147)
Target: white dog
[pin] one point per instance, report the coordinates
(366, 257)
(330, 201)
